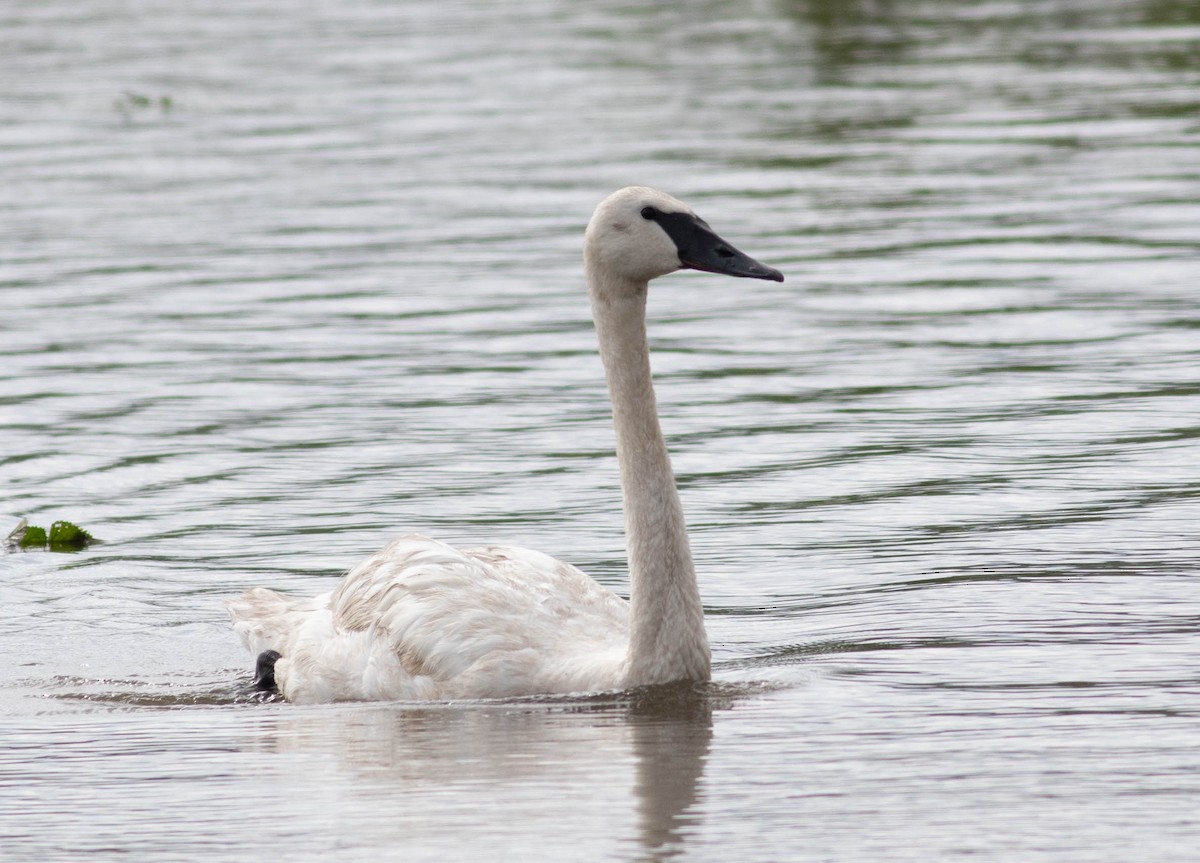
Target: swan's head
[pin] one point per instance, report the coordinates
(640, 233)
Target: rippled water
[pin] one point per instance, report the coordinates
(282, 281)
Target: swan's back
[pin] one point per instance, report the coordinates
(423, 620)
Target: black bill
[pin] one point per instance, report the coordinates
(701, 249)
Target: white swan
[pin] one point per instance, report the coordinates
(421, 620)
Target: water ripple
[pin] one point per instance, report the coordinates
(281, 286)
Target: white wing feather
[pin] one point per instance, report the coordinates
(422, 620)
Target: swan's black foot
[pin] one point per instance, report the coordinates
(264, 670)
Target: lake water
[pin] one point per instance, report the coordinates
(281, 281)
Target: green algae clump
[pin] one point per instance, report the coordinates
(65, 536)
(33, 537)
(62, 536)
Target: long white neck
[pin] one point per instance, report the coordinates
(666, 627)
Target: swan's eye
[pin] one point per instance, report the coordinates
(648, 212)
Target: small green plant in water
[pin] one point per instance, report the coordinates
(34, 537)
(65, 536)
(62, 536)
(131, 105)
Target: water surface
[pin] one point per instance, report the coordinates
(280, 283)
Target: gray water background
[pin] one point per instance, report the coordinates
(280, 281)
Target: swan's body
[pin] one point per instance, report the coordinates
(421, 620)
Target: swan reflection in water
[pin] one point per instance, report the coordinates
(534, 774)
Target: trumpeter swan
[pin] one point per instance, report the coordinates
(421, 620)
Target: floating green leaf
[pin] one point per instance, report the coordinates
(65, 536)
(62, 536)
(34, 537)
